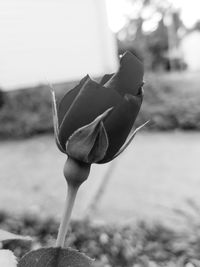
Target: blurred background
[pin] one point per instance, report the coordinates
(143, 208)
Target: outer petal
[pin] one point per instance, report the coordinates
(129, 77)
(92, 100)
(119, 124)
(68, 99)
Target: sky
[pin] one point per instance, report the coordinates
(117, 10)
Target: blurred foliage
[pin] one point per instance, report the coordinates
(171, 102)
(197, 26)
(28, 111)
(1, 98)
(153, 31)
(110, 245)
(25, 112)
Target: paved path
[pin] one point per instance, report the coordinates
(157, 176)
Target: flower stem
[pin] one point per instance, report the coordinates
(75, 173)
(64, 225)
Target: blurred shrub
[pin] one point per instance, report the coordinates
(110, 245)
(27, 112)
(172, 101)
(1, 98)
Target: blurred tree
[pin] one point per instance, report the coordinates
(197, 26)
(153, 30)
(1, 98)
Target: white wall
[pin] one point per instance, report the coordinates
(190, 46)
(57, 40)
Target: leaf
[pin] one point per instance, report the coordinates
(7, 258)
(55, 257)
(4, 236)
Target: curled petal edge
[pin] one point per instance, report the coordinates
(129, 139)
(90, 142)
(141, 90)
(55, 118)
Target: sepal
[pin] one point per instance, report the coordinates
(55, 119)
(90, 142)
(129, 139)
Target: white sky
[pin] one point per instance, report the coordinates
(118, 9)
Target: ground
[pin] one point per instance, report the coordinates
(156, 179)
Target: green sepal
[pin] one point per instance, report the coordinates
(129, 139)
(90, 142)
(55, 119)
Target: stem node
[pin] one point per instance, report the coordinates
(75, 173)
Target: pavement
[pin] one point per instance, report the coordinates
(155, 180)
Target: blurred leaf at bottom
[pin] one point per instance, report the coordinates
(55, 257)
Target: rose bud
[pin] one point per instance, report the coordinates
(94, 121)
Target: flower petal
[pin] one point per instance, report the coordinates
(129, 77)
(68, 99)
(89, 143)
(92, 100)
(119, 124)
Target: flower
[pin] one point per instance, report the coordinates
(94, 121)
(93, 124)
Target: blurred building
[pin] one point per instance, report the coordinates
(54, 40)
(190, 49)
